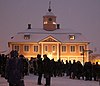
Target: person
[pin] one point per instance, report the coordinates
(3, 64)
(79, 68)
(47, 69)
(88, 71)
(39, 68)
(22, 68)
(13, 72)
(97, 69)
(73, 70)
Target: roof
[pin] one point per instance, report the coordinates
(37, 34)
(95, 56)
(49, 14)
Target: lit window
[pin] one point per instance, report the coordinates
(53, 48)
(81, 48)
(71, 37)
(63, 48)
(16, 47)
(35, 48)
(26, 37)
(26, 48)
(54, 22)
(45, 22)
(45, 48)
(72, 48)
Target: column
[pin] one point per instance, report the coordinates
(42, 49)
(57, 51)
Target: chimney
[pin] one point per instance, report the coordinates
(29, 26)
(58, 26)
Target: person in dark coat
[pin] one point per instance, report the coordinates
(26, 65)
(0, 62)
(39, 68)
(3, 65)
(79, 68)
(34, 66)
(88, 70)
(97, 72)
(47, 69)
(94, 70)
(22, 65)
(66, 68)
(13, 70)
(69, 68)
(73, 69)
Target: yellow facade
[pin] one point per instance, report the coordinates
(56, 54)
(55, 42)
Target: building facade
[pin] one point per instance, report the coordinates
(56, 42)
(95, 58)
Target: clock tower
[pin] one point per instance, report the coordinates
(49, 20)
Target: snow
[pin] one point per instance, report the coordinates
(31, 80)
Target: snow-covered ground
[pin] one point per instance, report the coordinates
(31, 80)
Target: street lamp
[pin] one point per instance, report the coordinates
(83, 52)
(83, 56)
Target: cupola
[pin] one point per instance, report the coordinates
(49, 20)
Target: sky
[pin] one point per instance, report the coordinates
(80, 15)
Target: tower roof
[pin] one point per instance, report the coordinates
(49, 13)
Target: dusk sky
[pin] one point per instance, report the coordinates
(80, 15)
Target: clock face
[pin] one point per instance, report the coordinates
(50, 19)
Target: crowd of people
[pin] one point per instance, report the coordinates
(14, 67)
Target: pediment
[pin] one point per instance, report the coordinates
(49, 39)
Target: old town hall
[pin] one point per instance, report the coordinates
(51, 39)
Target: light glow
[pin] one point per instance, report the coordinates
(49, 56)
(54, 22)
(99, 63)
(45, 22)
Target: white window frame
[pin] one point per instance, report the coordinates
(35, 48)
(16, 47)
(80, 48)
(28, 50)
(46, 48)
(72, 37)
(72, 50)
(53, 48)
(63, 48)
(26, 37)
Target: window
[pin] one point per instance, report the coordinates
(53, 48)
(26, 48)
(35, 48)
(72, 48)
(54, 22)
(16, 47)
(71, 37)
(63, 48)
(26, 37)
(81, 48)
(45, 22)
(45, 48)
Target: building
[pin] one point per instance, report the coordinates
(95, 58)
(56, 42)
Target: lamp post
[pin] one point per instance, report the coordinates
(90, 51)
(83, 52)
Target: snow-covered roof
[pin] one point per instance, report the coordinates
(49, 14)
(37, 34)
(41, 30)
